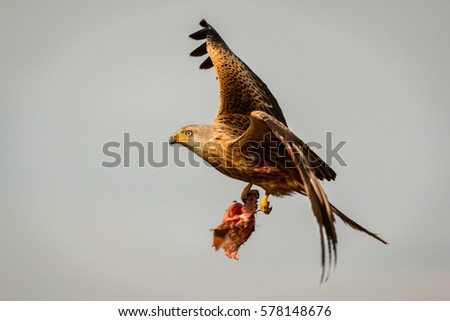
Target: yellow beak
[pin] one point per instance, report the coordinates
(178, 138)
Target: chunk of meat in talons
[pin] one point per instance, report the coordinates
(237, 225)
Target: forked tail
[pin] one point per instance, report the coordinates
(353, 224)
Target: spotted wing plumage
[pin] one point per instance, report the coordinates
(241, 90)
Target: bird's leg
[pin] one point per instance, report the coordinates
(250, 198)
(265, 204)
(245, 192)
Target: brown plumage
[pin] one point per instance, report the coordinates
(250, 141)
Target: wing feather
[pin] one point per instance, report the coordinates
(262, 123)
(258, 129)
(241, 90)
(313, 189)
(206, 64)
(199, 51)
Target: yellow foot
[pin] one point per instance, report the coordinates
(245, 192)
(265, 205)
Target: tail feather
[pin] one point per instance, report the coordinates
(355, 225)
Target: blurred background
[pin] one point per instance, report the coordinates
(77, 74)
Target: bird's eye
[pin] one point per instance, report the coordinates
(188, 132)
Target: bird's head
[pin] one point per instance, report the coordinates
(191, 136)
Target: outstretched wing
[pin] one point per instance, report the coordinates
(241, 90)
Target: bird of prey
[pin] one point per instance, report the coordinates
(250, 141)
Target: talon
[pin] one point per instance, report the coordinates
(265, 205)
(245, 192)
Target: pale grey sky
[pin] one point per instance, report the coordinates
(77, 74)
